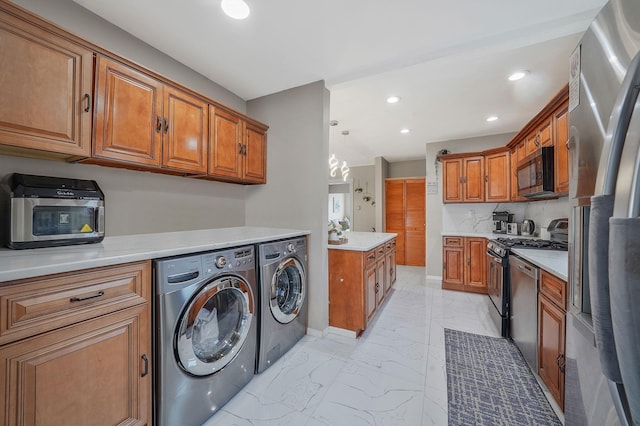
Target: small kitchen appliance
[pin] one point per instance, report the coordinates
(535, 174)
(513, 229)
(528, 227)
(51, 211)
(500, 221)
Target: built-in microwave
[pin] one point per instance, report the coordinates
(47, 211)
(535, 174)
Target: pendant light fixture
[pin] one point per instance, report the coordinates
(236, 9)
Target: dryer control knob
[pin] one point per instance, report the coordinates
(291, 248)
(221, 261)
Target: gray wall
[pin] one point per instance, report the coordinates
(78, 20)
(296, 194)
(140, 202)
(363, 211)
(434, 201)
(413, 168)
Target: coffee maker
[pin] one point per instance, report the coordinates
(500, 221)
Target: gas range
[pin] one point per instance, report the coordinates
(501, 246)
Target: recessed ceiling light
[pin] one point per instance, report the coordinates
(492, 118)
(236, 9)
(393, 99)
(405, 131)
(518, 75)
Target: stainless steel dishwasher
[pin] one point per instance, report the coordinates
(524, 309)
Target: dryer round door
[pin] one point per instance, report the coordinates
(287, 290)
(214, 326)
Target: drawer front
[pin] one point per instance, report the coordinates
(34, 306)
(453, 241)
(370, 257)
(554, 288)
(380, 251)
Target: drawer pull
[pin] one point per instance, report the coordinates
(82, 299)
(145, 360)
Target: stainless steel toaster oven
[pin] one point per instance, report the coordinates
(46, 211)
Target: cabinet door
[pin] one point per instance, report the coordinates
(255, 154)
(498, 187)
(415, 243)
(473, 188)
(370, 285)
(452, 181)
(225, 144)
(531, 143)
(415, 222)
(453, 265)
(390, 268)
(95, 372)
(551, 346)
(381, 280)
(185, 132)
(476, 260)
(561, 136)
(129, 118)
(45, 90)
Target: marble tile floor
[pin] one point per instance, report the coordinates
(394, 374)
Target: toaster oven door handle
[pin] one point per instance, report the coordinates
(99, 219)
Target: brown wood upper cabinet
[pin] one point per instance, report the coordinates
(464, 180)
(237, 148)
(498, 176)
(144, 123)
(45, 86)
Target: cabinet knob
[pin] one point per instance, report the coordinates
(341, 280)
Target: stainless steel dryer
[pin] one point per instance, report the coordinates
(283, 298)
(205, 333)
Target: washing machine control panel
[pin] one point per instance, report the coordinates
(221, 262)
(291, 247)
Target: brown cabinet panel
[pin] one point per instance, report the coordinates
(554, 288)
(390, 275)
(561, 136)
(45, 86)
(415, 248)
(370, 285)
(498, 185)
(88, 373)
(347, 290)
(381, 280)
(476, 257)
(464, 264)
(453, 265)
(415, 204)
(551, 347)
(255, 154)
(225, 143)
(473, 179)
(186, 131)
(129, 117)
(452, 181)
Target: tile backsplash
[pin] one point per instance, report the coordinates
(477, 217)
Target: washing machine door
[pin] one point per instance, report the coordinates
(287, 290)
(214, 325)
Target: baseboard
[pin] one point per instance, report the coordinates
(434, 277)
(317, 333)
(342, 332)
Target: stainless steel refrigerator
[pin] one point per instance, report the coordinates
(602, 382)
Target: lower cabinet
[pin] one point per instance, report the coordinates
(75, 349)
(358, 283)
(551, 334)
(464, 264)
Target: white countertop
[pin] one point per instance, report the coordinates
(488, 235)
(363, 241)
(555, 262)
(18, 264)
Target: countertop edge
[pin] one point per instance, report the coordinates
(31, 263)
(355, 245)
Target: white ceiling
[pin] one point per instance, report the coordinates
(448, 60)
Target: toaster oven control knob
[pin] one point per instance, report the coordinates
(221, 262)
(291, 248)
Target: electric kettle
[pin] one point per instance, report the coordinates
(528, 227)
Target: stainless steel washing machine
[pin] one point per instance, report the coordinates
(205, 331)
(283, 298)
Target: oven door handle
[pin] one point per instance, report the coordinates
(495, 258)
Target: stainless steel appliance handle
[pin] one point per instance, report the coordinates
(618, 126)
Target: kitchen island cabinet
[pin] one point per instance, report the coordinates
(361, 273)
(76, 347)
